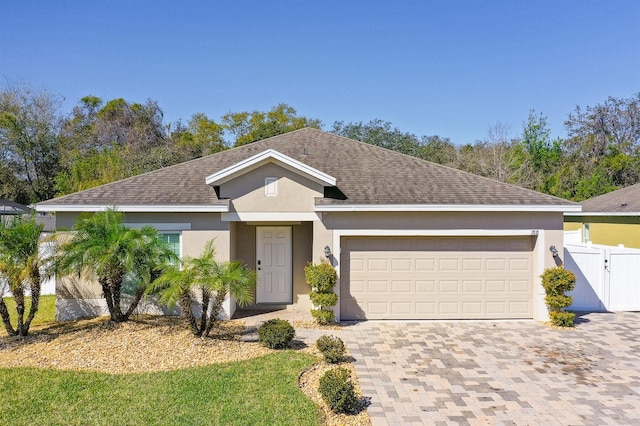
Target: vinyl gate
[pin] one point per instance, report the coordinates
(607, 277)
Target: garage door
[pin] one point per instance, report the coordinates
(436, 278)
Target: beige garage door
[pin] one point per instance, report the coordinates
(436, 278)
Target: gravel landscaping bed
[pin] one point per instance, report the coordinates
(152, 343)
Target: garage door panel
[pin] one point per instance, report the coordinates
(425, 264)
(519, 286)
(378, 286)
(472, 308)
(425, 286)
(472, 265)
(403, 286)
(377, 265)
(474, 286)
(402, 265)
(416, 278)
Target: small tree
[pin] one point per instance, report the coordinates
(23, 267)
(206, 281)
(103, 245)
(556, 282)
(322, 278)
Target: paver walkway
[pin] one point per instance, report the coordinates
(508, 372)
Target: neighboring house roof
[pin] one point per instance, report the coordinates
(623, 202)
(8, 207)
(364, 174)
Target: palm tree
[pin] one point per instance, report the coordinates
(101, 244)
(22, 267)
(206, 281)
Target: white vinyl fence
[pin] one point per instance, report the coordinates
(48, 286)
(607, 277)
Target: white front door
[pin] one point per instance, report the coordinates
(273, 264)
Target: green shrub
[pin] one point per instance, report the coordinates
(556, 282)
(557, 303)
(332, 348)
(337, 390)
(323, 299)
(323, 316)
(321, 277)
(276, 334)
(562, 319)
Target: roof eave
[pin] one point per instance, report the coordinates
(446, 208)
(133, 208)
(621, 214)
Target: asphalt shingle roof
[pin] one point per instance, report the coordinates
(625, 200)
(366, 174)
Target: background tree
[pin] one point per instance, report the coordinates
(23, 266)
(109, 141)
(202, 137)
(29, 141)
(603, 148)
(540, 155)
(379, 133)
(124, 260)
(247, 127)
(438, 150)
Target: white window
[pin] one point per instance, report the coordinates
(173, 239)
(270, 186)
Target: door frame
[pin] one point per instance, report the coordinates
(289, 256)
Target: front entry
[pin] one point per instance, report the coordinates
(274, 264)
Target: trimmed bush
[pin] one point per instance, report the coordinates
(562, 319)
(337, 390)
(276, 334)
(557, 281)
(323, 299)
(332, 348)
(323, 317)
(322, 278)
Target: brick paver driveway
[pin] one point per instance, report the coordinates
(511, 372)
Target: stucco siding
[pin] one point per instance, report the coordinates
(295, 193)
(443, 220)
(197, 221)
(193, 243)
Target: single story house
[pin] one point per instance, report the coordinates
(609, 219)
(409, 239)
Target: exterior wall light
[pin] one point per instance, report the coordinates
(327, 251)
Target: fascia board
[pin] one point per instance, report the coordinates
(133, 208)
(445, 208)
(602, 214)
(251, 163)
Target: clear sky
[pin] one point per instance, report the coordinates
(451, 68)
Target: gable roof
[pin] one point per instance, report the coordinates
(264, 157)
(623, 202)
(370, 177)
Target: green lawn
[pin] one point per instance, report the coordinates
(46, 311)
(261, 391)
